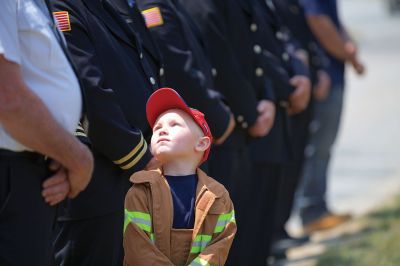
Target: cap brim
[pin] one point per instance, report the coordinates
(161, 101)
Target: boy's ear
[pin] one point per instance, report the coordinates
(203, 144)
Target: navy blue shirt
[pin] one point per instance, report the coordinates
(183, 191)
(329, 8)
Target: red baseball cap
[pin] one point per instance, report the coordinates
(165, 99)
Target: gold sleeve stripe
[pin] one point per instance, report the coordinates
(80, 128)
(80, 134)
(138, 157)
(130, 154)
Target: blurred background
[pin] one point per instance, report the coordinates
(366, 165)
(365, 172)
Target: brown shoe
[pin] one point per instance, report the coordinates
(327, 221)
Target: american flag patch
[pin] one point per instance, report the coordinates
(62, 18)
(153, 17)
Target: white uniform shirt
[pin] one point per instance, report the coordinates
(27, 39)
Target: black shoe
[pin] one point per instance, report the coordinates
(279, 246)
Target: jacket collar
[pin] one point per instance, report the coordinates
(104, 11)
(245, 5)
(205, 183)
(122, 7)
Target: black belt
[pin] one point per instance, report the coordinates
(33, 156)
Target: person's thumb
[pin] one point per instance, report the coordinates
(294, 81)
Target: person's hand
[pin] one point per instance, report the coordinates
(302, 55)
(79, 171)
(228, 131)
(153, 164)
(358, 66)
(352, 50)
(265, 119)
(300, 98)
(56, 187)
(323, 86)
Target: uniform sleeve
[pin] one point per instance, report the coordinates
(268, 92)
(108, 130)
(318, 58)
(314, 7)
(216, 252)
(298, 67)
(138, 231)
(291, 44)
(209, 17)
(278, 75)
(182, 71)
(9, 44)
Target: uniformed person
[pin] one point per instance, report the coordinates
(40, 106)
(230, 163)
(323, 19)
(280, 43)
(185, 68)
(294, 23)
(237, 23)
(117, 78)
(129, 12)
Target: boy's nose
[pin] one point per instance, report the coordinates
(163, 132)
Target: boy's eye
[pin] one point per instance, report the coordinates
(174, 124)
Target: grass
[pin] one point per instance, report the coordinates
(378, 245)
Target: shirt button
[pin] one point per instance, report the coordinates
(244, 125)
(240, 118)
(257, 49)
(285, 57)
(270, 4)
(279, 35)
(253, 27)
(259, 71)
(141, 55)
(214, 72)
(152, 81)
(161, 71)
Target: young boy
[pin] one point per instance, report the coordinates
(177, 215)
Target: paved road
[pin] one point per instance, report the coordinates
(366, 167)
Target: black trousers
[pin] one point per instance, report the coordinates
(26, 220)
(292, 172)
(95, 241)
(230, 165)
(89, 229)
(265, 191)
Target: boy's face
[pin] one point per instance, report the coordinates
(176, 136)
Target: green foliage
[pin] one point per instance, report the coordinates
(377, 246)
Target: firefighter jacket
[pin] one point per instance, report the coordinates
(149, 238)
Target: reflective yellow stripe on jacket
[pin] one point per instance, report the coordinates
(141, 220)
(224, 220)
(201, 241)
(199, 262)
